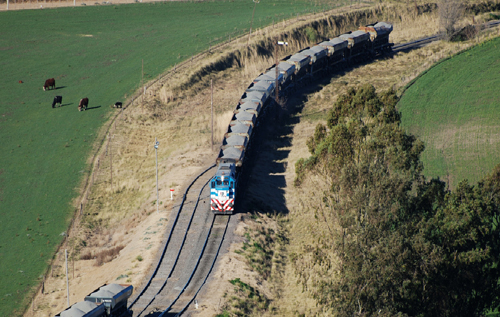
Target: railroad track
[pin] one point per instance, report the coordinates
(193, 243)
(427, 40)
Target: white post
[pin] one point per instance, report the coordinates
(67, 282)
(7, 4)
(171, 194)
(157, 194)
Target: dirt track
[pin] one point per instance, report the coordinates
(43, 4)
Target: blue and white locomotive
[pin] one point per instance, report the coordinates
(293, 71)
(223, 189)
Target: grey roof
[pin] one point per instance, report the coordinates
(249, 121)
(83, 309)
(272, 73)
(337, 40)
(225, 169)
(233, 153)
(108, 291)
(379, 29)
(235, 141)
(360, 36)
(264, 77)
(240, 128)
(262, 86)
(335, 45)
(355, 37)
(383, 25)
(249, 105)
(316, 52)
(286, 68)
(299, 60)
(244, 116)
(258, 96)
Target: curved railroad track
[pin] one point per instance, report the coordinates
(194, 239)
(427, 40)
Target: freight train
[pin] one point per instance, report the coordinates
(293, 72)
(109, 300)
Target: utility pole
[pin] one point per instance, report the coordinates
(212, 109)
(67, 281)
(110, 161)
(251, 22)
(276, 88)
(157, 194)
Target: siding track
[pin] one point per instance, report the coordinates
(185, 239)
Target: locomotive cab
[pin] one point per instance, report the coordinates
(223, 189)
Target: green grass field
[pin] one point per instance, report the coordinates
(455, 109)
(94, 52)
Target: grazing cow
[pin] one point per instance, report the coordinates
(83, 104)
(57, 101)
(49, 83)
(118, 104)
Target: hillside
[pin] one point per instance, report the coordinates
(454, 109)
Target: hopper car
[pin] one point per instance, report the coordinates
(293, 71)
(109, 300)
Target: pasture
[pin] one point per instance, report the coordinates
(454, 108)
(94, 52)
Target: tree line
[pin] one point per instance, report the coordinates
(394, 243)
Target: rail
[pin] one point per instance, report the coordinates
(197, 263)
(208, 274)
(169, 237)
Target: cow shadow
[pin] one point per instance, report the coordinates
(64, 105)
(60, 87)
(93, 108)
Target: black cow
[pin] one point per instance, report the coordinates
(83, 104)
(49, 83)
(57, 101)
(118, 104)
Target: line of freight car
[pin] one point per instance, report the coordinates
(295, 70)
(109, 300)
